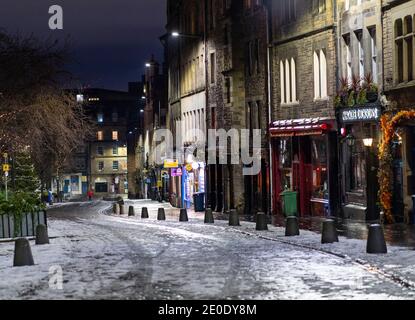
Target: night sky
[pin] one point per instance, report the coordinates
(111, 39)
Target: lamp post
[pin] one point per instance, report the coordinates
(371, 176)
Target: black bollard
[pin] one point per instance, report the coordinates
(131, 211)
(329, 232)
(144, 213)
(376, 243)
(292, 227)
(261, 222)
(209, 216)
(122, 209)
(161, 216)
(42, 236)
(22, 253)
(116, 208)
(234, 219)
(183, 215)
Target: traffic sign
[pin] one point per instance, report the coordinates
(6, 167)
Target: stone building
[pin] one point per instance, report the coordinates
(358, 105)
(238, 99)
(149, 175)
(399, 89)
(186, 54)
(303, 129)
(101, 164)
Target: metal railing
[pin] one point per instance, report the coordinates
(27, 227)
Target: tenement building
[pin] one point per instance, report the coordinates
(186, 54)
(303, 129)
(358, 106)
(398, 156)
(101, 164)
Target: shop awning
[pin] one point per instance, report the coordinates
(300, 127)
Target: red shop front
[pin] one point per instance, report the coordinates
(305, 161)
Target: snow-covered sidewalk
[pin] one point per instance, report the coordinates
(119, 257)
(398, 264)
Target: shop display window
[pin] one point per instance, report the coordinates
(319, 164)
(285, 152)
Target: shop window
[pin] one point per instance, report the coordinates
(285, 163)
(355, 175)
(320, 170)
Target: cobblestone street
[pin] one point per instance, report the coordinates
(116, 257)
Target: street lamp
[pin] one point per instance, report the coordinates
(350, 139)
(371, 181)
(148, 65)
(368, 142)
(176, 34)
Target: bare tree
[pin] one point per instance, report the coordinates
(36, 113)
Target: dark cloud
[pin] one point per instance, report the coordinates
(111, 38)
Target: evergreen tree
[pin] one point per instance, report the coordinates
(25, 177)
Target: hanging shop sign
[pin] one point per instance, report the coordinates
(360, 114)
(176, 172)
(171, 164)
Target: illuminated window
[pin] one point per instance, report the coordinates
(372, 32)
(359, 36)
(320, 74)
(115, 135)
(100, 135)
(288, 75)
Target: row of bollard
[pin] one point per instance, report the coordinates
(22, 251)
(376, 243)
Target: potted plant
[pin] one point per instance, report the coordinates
(361, 97)
(372, 90)
(342, 96)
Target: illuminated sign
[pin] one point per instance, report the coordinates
(176, 172)
(360, 114)
(171, 164)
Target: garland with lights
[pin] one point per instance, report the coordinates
(388, 126)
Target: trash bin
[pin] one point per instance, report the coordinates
(199, 201)
(289, 203)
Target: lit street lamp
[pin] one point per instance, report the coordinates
(371, 181)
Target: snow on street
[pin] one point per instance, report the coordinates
(108, 257)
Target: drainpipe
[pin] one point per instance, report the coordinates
(207, 169)
(337, 35)
(268, 10)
